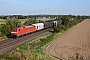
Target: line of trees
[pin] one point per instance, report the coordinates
(34, 16)
(67, 22)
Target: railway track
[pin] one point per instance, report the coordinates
(74, 44)
(12, 43)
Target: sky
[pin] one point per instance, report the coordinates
(35, 7)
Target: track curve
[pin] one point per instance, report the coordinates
(74, 44)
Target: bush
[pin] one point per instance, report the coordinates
(5, 29)
(31, 21)
(58, 28)
(1, 35)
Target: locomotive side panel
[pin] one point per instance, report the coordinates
(26, 30)
(23, 30)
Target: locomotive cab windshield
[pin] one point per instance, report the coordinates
(14, 30)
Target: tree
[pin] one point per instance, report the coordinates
(65, 20)
(13, 23)
(30, 21)
(5, 29)
(58, 28)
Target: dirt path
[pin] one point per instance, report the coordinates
(74, 44)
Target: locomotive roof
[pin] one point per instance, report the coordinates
(24, 26)
(27, 26)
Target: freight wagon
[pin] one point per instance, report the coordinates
(48, 24)
(39, 26)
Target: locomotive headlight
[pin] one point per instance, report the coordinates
(13, 32)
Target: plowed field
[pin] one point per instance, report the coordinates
(74, 44)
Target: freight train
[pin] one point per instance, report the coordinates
(20, 31)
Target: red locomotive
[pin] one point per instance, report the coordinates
(20, 31)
